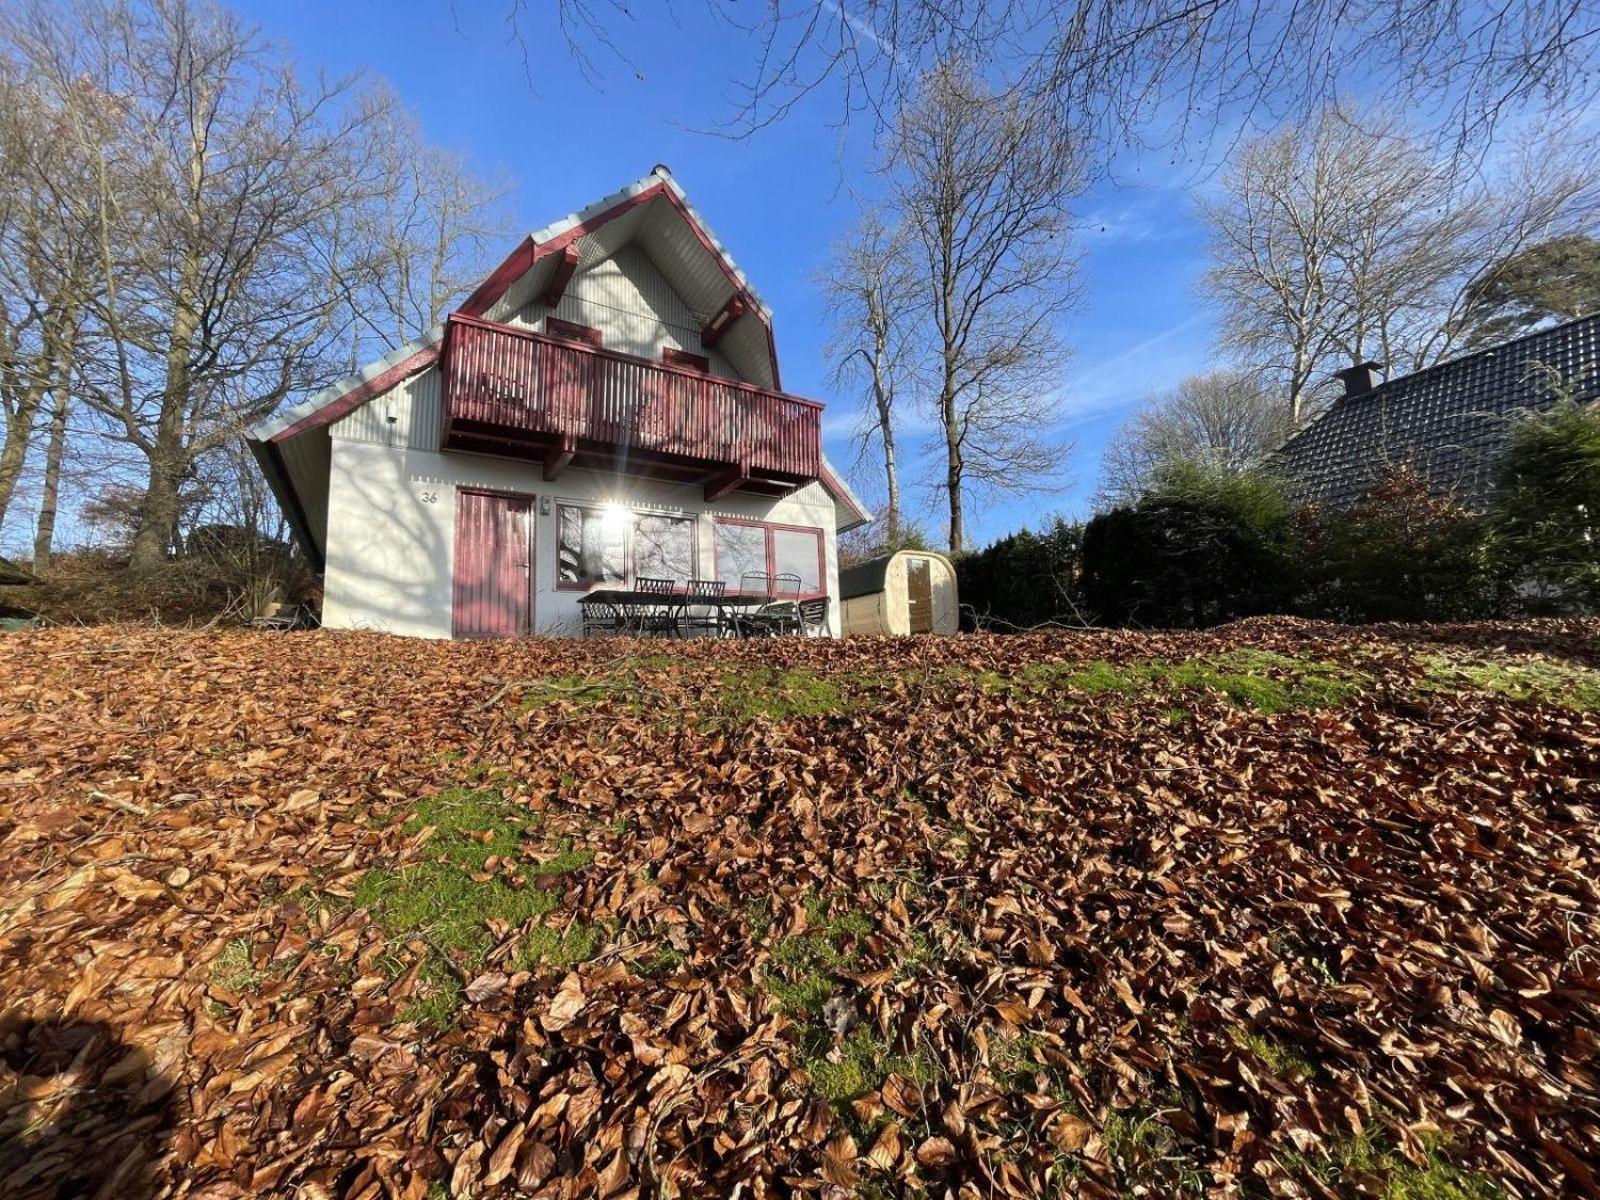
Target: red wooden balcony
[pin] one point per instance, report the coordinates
(511, 391)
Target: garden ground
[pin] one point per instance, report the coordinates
(1279, 910)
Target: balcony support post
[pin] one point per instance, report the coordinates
(557, 458)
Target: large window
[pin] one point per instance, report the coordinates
(798, 552)
(741, 548)
(591, 545)
(663, 547)
(745, 546)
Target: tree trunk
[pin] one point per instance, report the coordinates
(886, 429)
(158, 513)
(953, 471)
(19, 431)
(55, 449)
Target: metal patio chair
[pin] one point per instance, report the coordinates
(702, 594)
(814, 617)
(600, 617)
(655, 609)
(781, 613)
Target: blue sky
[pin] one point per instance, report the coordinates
(777, 199)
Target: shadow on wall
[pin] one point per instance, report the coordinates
(82, 1114)
(403, 598)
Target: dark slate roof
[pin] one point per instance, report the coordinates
(865, 577)
(1450, 422)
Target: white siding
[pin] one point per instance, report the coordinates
(391, 535)
(634, 307)
(407, 415)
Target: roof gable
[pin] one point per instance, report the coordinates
(654, 214)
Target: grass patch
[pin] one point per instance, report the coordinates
(1281, 1060)
(1146, 1151)
(785, 695)
(1254, 679)
(1362, 1157)
(1524, 679)
(449, 900)
(803, 980)
(860, 1063)
(1263, 681)
(232, 970)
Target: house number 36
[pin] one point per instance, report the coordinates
(430, 497)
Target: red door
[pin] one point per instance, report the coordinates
(493, 574)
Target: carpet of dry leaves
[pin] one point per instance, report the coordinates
(970, 917)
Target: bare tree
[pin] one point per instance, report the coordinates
(44, 530)
(432, 223)
(219, 188)
(1348, 238)
(982, 183)
(874, 307)
(42, 267)
(1154, 71)
(1226, 420)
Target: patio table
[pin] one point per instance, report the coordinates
(626, 598)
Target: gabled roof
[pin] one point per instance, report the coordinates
(1450, 422)
(653, 212)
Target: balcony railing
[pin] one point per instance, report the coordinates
(519, 388)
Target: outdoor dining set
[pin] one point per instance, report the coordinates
(762, 606)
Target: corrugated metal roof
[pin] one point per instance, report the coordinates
(1449, 422)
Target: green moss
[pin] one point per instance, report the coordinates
(1254, 679)
(664, 961)
(1522, 679)
(441, 902)
(788, 695)
(233, 969)
(1364, 1157)
(449, 900)
(805, 964)
(1092, 678)
(862, 1062)
(1264, 681)
(558, 947)
(1281, 1060)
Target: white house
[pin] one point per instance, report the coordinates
(605, 406)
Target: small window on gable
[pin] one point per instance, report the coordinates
(686, 360)
(571, 331)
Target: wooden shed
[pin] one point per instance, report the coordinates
(909, 591)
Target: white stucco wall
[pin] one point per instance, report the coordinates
(391, 532)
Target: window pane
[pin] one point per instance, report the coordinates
(740, 548)
(591, 545)
(796, 554)
(663, 547)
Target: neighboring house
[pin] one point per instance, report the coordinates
(605, 406)
(1450, 422)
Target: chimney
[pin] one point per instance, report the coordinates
(1361, 378)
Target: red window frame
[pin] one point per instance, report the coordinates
(770, 527)
(629, 558)
(685, 359)
(571, 331)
